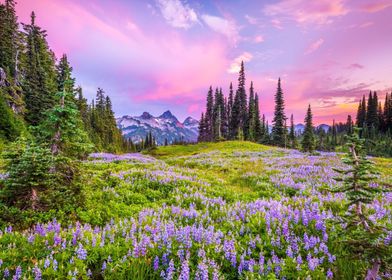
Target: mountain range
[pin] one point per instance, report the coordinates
(166, 126)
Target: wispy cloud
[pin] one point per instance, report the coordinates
(355, 66)
(177, 14)
(224, 26)
(376, 6)
(235, 66)
(307, 12)
(258, 39)
(314, 46)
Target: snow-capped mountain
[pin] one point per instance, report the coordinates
(166, 126)
(299, 128)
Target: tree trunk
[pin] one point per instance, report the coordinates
(34, 199)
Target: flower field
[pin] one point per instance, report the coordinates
(233, 210)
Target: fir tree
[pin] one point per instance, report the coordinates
(251, 120)
(209, 116)
(40, 76)
(229, 111)
(9, 36)
(371, 114)
(349, 125)
(279, 128)
(202, 129)
(63, 129)
(292, 138)
(361, 235)
(308, 140)
(64, 76)
(258, 129)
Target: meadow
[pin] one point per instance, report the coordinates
(227, 210)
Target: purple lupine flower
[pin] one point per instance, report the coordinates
(329, 274)
(184, 275)
(89, 273)
(261, 264)
(37, 273)
(313, 262)
(170, 270)
(202, 271)
(6, 272)
(54, 265)
(46, 263)
(156, 263)
(18, 273)
(81, 252)
(104, 266)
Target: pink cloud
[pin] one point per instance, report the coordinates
(376, 6)
(355, 66)
(307, 12)
(314, 46)
(258, 39)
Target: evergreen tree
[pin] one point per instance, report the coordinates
(230, 103)
(9, 36)
(361, 235)
(334, 139)
(11, 126)
(388, 113)
(308, 140)
(202, 129)
(219, 113)
(349, 125)
(243, 113)
(279, 128)
(361, 113)
(258, 129)
(292, 138)
(64, 76)
(251, 120)
(40, 75)
(371, 114)
(209, 116)
(63, 129)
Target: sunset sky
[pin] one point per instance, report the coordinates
(156, 55)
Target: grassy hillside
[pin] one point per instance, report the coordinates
(230, 210)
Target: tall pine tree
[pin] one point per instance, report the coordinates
(279, 129)
(308, 140)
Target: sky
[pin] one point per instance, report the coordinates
(159, 55)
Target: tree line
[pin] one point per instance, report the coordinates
(30, 79)
(46, 124)
(238, 117)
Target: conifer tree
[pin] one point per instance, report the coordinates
(361, 236)
(258, 129)
(63, 128)
(202, 129)
(349, 125)
(279, 128)
(388, 113)
(292, 138)
(209, 116)
(219, 115)
(243, 113)
(308, 140)
(371, 114)
(230, 102)
(251, 120)
(40, 76)
(9, 36)
(64, 76)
